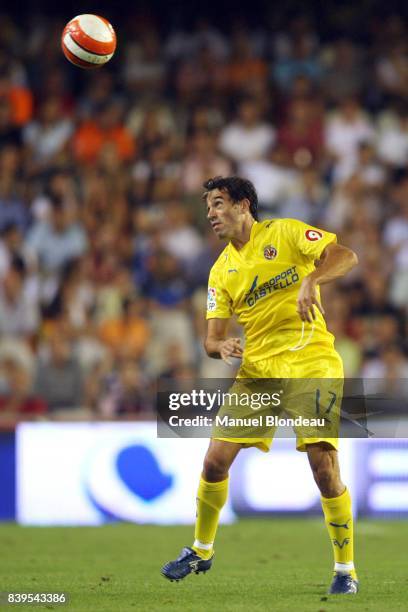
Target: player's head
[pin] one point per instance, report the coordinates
(230, 201)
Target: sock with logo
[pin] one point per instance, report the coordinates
(211, 497)
(339, 521)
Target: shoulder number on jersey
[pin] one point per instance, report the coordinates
(313, 235)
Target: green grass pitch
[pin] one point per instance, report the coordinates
(261, 564)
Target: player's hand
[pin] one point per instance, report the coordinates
(307, 300)
(230, 348)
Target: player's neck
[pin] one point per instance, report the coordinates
(244, 234)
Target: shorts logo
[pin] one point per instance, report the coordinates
(313, 235)
(270, 252)
(211, 299)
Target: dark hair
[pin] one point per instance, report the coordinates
(237, 188)
(57, 201)
(18, 265)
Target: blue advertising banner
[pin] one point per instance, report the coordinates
(7, 476)
(94, 473)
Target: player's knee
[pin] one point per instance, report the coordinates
(215, 468)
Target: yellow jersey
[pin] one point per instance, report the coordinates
(260, 284)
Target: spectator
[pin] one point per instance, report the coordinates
(10, 134)
(144, 69)
(19, 97)
(17, 400)
(348, 348)
(202, 161)
(13, 208)
(392, 70)
(248, 138)
(125, 392)
(150, 125)
(128, 335)
(310, 202)
(99, 88)
(301, 61)
(301, 136)
(59, 380)
(345, 76)
(396, 239)
(11, 248)
(393, 366)
(347, 128)
(60, 184)
(181, 239)
(19, 313)
(274, 181)
(243, 67)
(393, 139)
(198, 75)
(157, 178)
(165, 283)
(52, 244)
(47, 137)
(106, 128)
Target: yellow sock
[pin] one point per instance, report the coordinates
(211, 497)
(339, 521)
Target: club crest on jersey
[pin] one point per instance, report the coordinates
(313, 235)
(211, 299)
(270, 252)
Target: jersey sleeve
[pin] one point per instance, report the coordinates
(309, 240)
(219, 304)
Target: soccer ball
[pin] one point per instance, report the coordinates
(88, 41)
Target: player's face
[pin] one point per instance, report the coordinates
(223, 214)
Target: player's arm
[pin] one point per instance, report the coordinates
(217, 345)
(335, 261)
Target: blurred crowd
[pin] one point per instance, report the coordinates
(104, 245)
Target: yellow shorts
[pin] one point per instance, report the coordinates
(312, 379)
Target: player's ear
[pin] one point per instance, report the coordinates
(245, 205)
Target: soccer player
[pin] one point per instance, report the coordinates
(269, 276)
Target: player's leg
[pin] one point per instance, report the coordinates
(336, 504)
(212, 493)
(211, 497)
